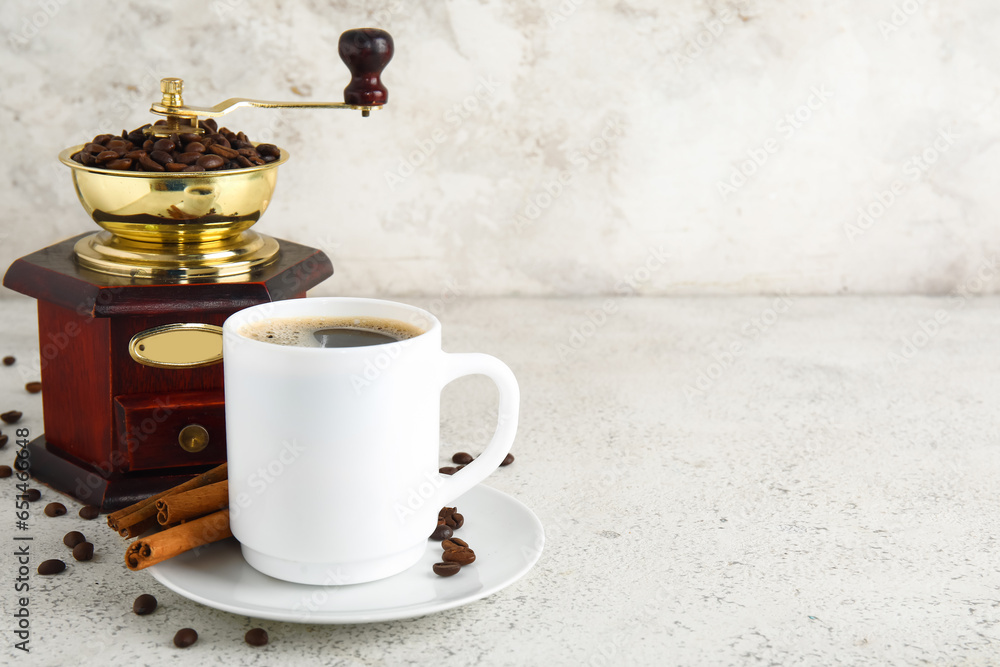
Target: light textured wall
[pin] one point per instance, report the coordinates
(559, 147)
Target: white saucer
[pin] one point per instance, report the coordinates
(506, 536)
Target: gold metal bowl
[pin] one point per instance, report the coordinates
(174, 207)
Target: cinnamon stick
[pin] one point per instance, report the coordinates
(187, 505)
(136, 519)
(158, 547)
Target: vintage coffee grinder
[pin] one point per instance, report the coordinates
(130, 362)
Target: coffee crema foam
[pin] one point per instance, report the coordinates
(301, 331)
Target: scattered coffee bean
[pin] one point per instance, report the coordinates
(144, 604)
(33, 387)
(55, 509)
(507, 460)
(458, 541)
(54, 566)
(137, 151)
(462, 556)
(89, 512)
(256, 637)
(462, 458)
(185, 637)
(73, 538)
(442, 532)
(9, 361)
(5, 471)
(85, 551)
(458, 519)
(11, 417)
(450, 522)
(446, 569)
(3, 441)
(447, 470)
(32, 495)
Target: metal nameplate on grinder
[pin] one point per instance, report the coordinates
(181, 345)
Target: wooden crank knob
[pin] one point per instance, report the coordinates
(366, 52)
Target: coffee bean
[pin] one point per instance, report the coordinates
(9, 361)
(162, 157)
(106, 156)
(268, 150)
(446, 569)
(462, 556)
(103, 138)
(188, 137)
(188, 158)
(54, 566)
(450, 522)
(55, 509)
(89, 512)
(144, 604)
(121, 164)
(507, 460)
(211, 161)
(175, 166)
(149, 164)
(243, 161)
(453, 543)
(33, 387)
(222, 151)
(5, 471)
(194, 167)
(195, 147)
(85, 551)
(462, 458)
(460, 542)
(10, 417)
(73, 538)
(459, 520)
(3, 441)
(442, 532)
(32, 495)
(446, 511)
(164, 145)
(210, 124)
(256, 637)
(447, 470)
(185, 637)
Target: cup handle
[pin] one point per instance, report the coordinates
(474, 363)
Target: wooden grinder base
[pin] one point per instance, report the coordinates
(111, 423)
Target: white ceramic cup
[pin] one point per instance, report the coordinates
(333, 452)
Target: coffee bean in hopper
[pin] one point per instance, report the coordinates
(144, 604)
(256, 637)
(54, 566)
(55, 509)
(185, 637)
(89, 512)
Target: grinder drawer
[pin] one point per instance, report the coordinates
(171, 430)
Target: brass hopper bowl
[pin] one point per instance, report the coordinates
(196, 225)
(184, 225)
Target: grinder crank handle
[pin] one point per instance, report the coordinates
(366, 52)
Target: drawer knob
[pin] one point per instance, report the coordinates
(193, 438)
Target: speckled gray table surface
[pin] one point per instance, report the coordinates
(722, 481)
